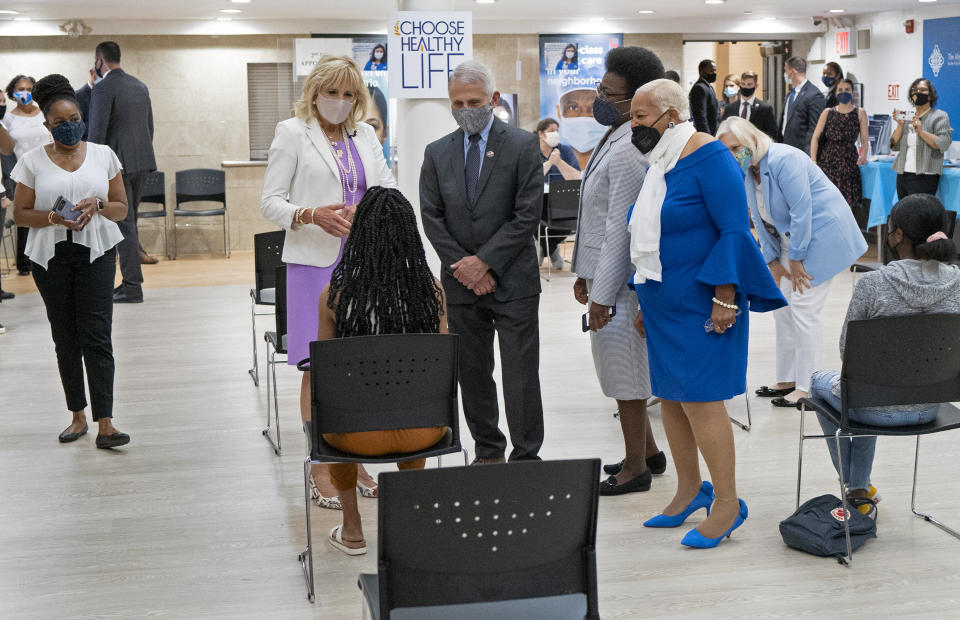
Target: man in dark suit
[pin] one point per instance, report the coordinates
(704, 107)
(121, 117)
(481, 189)
(752, 109)
(802, 108)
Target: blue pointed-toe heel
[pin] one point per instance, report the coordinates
(697, 540)
(704, 499)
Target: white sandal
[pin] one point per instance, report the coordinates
(366, 491)
(330, 503)
(336, 539)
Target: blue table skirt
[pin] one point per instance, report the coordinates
(880, 186)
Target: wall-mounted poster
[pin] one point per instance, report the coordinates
(570, 67)
(425, 47)
(371, 55)
(506, 109)
(941, 64)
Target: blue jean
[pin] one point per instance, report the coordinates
(857, 452)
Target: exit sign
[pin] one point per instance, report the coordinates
(893, 92)
(845, 42)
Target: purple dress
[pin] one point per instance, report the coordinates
(305, 283)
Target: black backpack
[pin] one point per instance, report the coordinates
(817, 526)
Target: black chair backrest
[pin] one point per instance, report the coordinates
(496, 532)
(280, 306)
(154, 189)
(387, 382)
(563, 201)
(267, 252)
(201, 184)
(905, 360)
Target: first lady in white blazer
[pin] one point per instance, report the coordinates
(320, 164)
(807, 234)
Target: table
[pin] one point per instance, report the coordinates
(880, 186)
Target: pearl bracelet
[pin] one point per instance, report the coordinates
(725, 305)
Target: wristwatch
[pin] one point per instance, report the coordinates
(99, 205)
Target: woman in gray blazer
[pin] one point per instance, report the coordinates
(601, 260)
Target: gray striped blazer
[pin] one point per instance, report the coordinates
(609, 187)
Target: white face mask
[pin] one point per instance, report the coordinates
(333, 110)
(730, 91)
(581, 132)
(569, 54)
(378, 55)
(552, 138)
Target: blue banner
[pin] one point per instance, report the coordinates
(941, 63)
(371, 55)
(570, 67)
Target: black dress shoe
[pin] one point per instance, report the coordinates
(5, 295)
(23, 272)
(768, 392)
(639, 484)
(488, 460)
(657, 464)
(126, 298)
(112, 441)
(117, 289)
(783, 402)
(66, 437)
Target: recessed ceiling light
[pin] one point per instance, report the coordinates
(597, 19)
(714, 1)
(769, 19)
(21, 19)
(8, 12)
(231, 11)
(748, 12)
(927, 0)
(838, 10)
(645, 12)
(240, 1)
(486, 1)
(224, 19)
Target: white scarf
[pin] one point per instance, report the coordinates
(645, 221)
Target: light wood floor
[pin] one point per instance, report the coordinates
(198, 518)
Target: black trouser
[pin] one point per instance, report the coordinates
(909, 183)
(129, 248)
(518, 331)
(23, 263)
(78, 295)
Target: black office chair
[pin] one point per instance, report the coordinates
(7, 228)
(276, 344)
(920, 365)
(560, 212)
(516, 540)
(267, 252)
(200, 185)
(155, 192)
(371, 383)
(949, 227)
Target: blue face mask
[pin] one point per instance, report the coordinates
(24, 97)
(828, 81)
(605, 112)
(844, 97)
(581, 132)
(68, 133)
(743, 156)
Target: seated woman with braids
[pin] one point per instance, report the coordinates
(383, 256)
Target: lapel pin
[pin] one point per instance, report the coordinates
(489, 154)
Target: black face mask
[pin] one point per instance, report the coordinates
(748, 92)
(920, 98)
(710, 77)
(645, 137)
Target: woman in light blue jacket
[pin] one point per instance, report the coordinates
(807, 235)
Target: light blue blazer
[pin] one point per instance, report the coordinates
(809, 210)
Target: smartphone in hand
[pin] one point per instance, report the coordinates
(585, 319)
(64, 208)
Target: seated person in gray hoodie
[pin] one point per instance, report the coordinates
(918, 281)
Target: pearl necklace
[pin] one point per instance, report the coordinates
(349, 178)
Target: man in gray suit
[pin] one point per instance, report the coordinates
(481, 190)
(802, 108)
(121, 117)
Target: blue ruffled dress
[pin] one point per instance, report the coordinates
(705, 241)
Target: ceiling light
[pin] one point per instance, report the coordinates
(645, 12)
(8, 12)
(714, 1)
(224, 19)
(748, 12)
(21, 19)
(927, 0)
(486, 1)
(838, 11)
(240, 1)
(231, 11)
(596, 19)
(769, 19)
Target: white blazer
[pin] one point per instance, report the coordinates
(302, 172)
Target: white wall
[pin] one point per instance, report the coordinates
(693, 53)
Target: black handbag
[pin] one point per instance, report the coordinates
(817, 526)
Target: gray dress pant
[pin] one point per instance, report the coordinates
(129, 248)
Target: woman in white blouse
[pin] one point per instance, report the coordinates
(320, 165)
(72, 251)
(26, 130)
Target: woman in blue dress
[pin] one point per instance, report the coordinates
(699, 271)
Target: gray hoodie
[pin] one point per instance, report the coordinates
(901, 288)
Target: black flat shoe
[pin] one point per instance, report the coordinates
(66, 437)
(124, 298)
(783, 402)
(6, 295)
(112, 441)
(657, 464)
(768, 392)
(639, 484)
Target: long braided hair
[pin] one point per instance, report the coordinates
(383, 284)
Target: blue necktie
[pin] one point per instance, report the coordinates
(790, 98)
(472, 168)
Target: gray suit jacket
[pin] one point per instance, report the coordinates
(122, 118)
(804, 114)
(608, 189)
(499, 228)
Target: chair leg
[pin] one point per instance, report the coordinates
(913, 498)
(843, 502)
(466, 457)
(803, 410)
(226, 245)
(546, 237)
(176, 240)
(166, 246)
(255, 371)
(749, 423)
(306, 558)
(272, 378)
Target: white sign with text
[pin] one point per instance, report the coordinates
(425, 46)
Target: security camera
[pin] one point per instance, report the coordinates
(817, 20)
